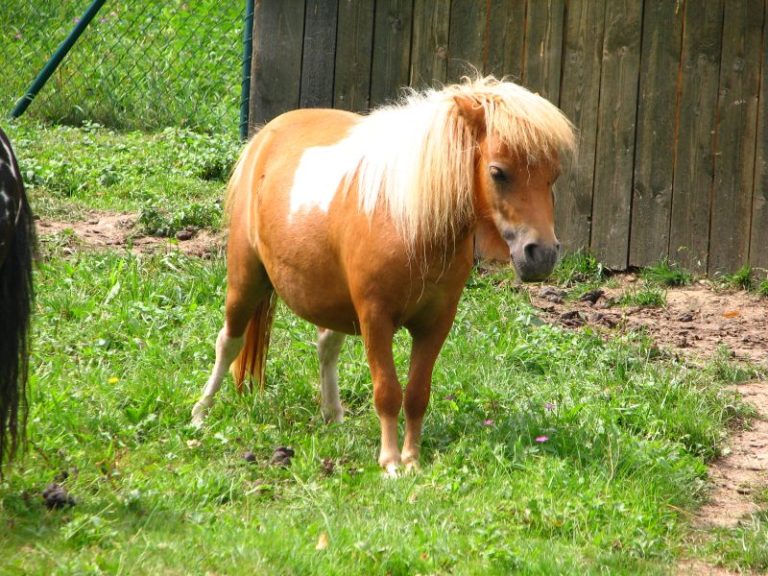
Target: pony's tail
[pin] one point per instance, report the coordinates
(16, 297)
(252, 361)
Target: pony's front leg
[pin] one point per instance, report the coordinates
(387, 394)
(424, 351)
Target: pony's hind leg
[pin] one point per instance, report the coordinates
(328, 349)
(249, 306)
(227, 349)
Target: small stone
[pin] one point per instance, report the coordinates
(56, 497)
(604, 320)
(592, 296)
(282, 456)
(573, 318)
(552, 294)
(328, 466)
(186, 233)
(249, 456)
(685, 317)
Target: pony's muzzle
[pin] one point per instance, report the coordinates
(535, 261)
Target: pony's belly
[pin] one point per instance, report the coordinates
(321, 304)
(309, 281)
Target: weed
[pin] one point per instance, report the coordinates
(175, 176)
(741, 279)
(762, 284)
(579, 267)
(744, 548)
(647, 295)
(666, 274)
(156, 220)
(727, 370)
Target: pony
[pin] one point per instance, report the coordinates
(17, 248)
(364, 225)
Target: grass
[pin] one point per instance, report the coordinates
(739, 280)
(647, 295)
(578, 268)
(743, 548)
(747, 278)
(124, 343)
(666, 273)
(174, 178)
(137, 65)
(582, 273)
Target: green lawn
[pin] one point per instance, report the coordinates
(137, 65)
(546, 451)
(173, 178)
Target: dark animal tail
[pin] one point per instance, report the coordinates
(17, 249)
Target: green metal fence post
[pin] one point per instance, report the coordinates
(56, 59)
(245, 93)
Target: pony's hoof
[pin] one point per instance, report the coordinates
(391, 471)
(197, 422)
(333, 416)
(198, 415)
(412, 467)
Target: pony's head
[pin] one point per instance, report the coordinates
(520, 138)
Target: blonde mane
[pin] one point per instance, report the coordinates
(417, 157)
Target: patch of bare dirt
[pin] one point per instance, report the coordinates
(699, 568)
(106, 230)
(735, 479)
(695, 322)
(738, 476)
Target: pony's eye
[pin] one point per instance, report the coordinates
(498, 174)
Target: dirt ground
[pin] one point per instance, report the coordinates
(116, 231)
(697, 321)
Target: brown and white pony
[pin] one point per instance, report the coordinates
(365, 224)
(17, 246)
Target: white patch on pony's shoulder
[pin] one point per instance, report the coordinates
(319, 176)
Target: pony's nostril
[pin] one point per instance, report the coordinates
(557, 247)
(531, 250)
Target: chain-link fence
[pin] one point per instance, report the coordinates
(139, 64)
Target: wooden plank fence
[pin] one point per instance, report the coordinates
(670, 99)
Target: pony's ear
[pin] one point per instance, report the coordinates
(471, 109)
